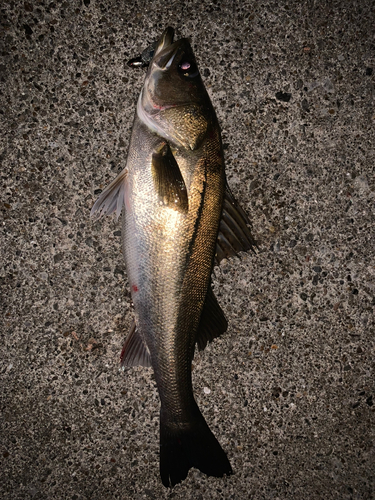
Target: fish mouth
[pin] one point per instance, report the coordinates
(147, 55)
(165, 40)
(166, 50)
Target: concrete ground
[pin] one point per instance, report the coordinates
(289, 390)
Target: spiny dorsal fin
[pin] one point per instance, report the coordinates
(112, 198)
(234, 234)
(168, 180)
(134, 351)
(212, 323)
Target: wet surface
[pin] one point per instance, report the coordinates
(289, 389)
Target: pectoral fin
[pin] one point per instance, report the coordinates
(234, 234)
(112, 198)
(134, 351)
(212, 323)
(168, 179)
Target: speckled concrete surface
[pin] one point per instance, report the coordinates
(292, 382)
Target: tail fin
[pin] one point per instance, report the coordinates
(187, 445)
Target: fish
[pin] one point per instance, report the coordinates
(179, 219)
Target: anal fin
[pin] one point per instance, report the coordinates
(134, 351)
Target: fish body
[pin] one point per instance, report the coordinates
(179, 215)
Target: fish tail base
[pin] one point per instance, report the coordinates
(187, 445)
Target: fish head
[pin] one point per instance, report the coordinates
(174, 102)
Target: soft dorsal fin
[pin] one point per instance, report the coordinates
(134, 351)
(234, 234)
(212, 323)
(112, 198)
(168, 180)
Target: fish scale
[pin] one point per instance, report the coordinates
(179, 217)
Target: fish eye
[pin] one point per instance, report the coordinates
(188, 69)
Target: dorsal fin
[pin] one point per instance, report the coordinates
(112, 198)
(234, 234)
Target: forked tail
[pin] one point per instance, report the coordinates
(190, 444)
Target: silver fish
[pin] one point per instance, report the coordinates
(179, 216)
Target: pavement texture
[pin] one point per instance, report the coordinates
(289, 389)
